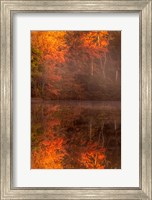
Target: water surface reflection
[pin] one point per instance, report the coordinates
(76, 135)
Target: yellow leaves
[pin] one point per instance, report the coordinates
(54, 47)
(96, 42)
(50, 43)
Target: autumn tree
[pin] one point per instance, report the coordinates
(36, 72)
(52, 46)
(96, 46)
(76, 65)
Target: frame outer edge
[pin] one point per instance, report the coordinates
(6, 192)
(2, 99)
(146, 100)
(5, 100)
(76, 5)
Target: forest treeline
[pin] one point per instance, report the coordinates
(76, 65)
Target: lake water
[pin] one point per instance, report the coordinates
(76, 135)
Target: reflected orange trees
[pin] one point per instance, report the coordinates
(47, 145)
(68, 136)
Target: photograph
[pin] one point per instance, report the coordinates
(76, 99)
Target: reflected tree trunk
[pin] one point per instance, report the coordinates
(90, 129)
(95, 161)
(92, 67)
(115, 125)
(101, 134)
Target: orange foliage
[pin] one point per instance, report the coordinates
(53, 48)
(47, 148)
(49, 155)
(96, 42)
(51, 43)
(93, 157)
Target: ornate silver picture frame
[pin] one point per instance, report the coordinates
(8, 9)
